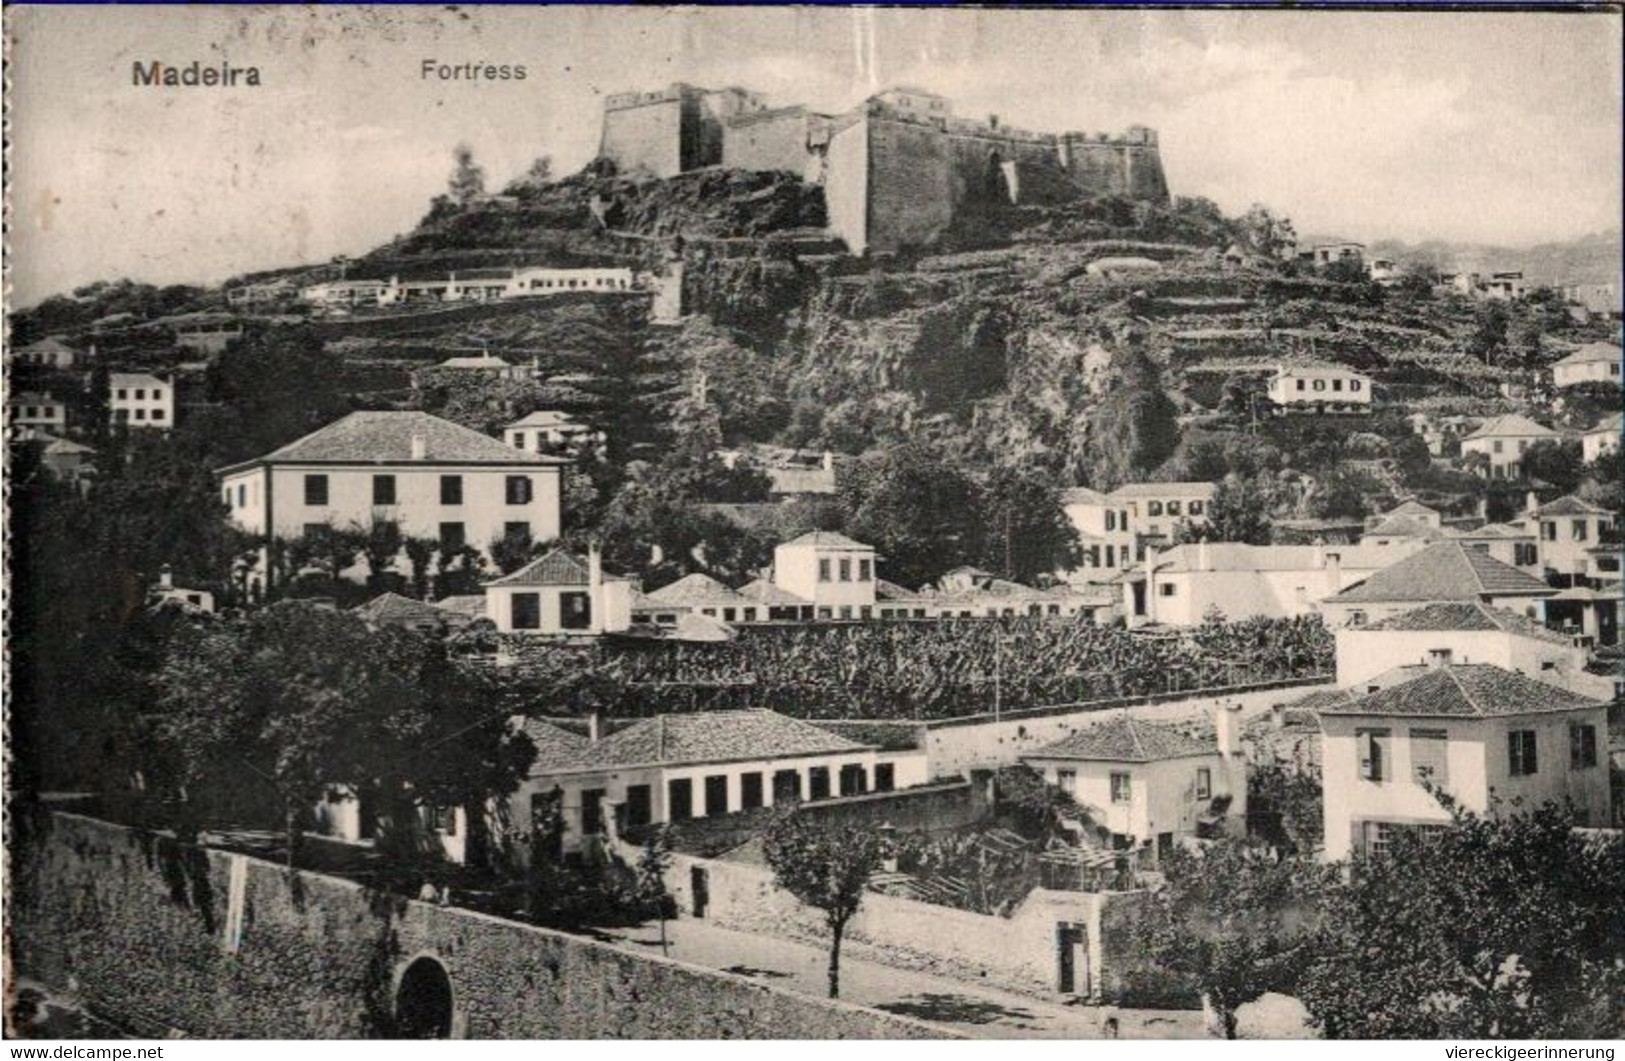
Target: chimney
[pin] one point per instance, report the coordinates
(1484, 509)
(1225, 717)
(829, 461)
(1201, 553)
(420, 447)
(166, 580)
(1530, 502)
(1334, 572)
(1277, 717)
(595, 724)
(595, 587)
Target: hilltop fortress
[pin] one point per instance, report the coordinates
(896, 169)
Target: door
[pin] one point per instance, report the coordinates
(1165, 846)
(699, 883)
(1072, 959)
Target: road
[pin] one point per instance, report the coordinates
(969, 1009)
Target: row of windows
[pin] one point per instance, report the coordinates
(866, 571)
(37, 412)
(1337, 384)
(1579, 530)
(852, 779)
(1499, 446)
(517, 490)
(618, 283)
(139, 414)
(1429, 761)
(1122, 784)
(575, 610)
(123, 394)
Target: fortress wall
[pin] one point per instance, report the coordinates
(846, 185)
(774, 141)
(145, 926)
(647, 136)
(911, 185)
(1115, 168)
(978, 163)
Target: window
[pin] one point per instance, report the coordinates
(1357, 618)
(157, 414)
(853, 781)
(1578, 530)
(315, 489)
(1582, 747)
(1373, 746)
(1375, 838)
(750, 791)
(1067, 781)
(242, 494)
(866, 570)
(845, 569)
(1523, 554)
(786, 786)
(140, 394)
(1173, 508)
(1439, 656)
(826, 613)
(519, 490)
(575, 611)
(716, 795)
(383, 490)
(818, 782)
(442, 819)
(1320, 384)
(123, 394)
(1354, 384)
(1204, 782)
(452, 537)
(1429, 757)
(527, 611)
(730, 615)
(1197, 507)
(516, 530)
(1167, 589)
(1153, 508)
(679, 799)
(1497, 446)
(451, 489)
(885, 777)
(1122, 789)
(140, 414)
(1111, 520)
(1301, 384)
(1337, 385)
(823, 570)
(1548, 530)
(1521, 753)
(313, 529)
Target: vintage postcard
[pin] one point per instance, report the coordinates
(912, 523)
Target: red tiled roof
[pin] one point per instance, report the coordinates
(711, 737)
(697, 589)
(1468, 615)
(1466, 690)
(387, 438)
(1445, 571)
(1123, 739)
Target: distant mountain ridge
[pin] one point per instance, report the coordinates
(1592, 259)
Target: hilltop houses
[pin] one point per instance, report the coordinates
(1320, 387)
(1503, 441)
(1592, 363)
(558, 594)
(36, 410)
(1114, 527)
(431, 477)
(549, 427)
(49, 352)
(137, 399)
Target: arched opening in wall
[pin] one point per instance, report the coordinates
(423, 1001)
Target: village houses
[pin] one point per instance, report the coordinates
(49, 352)
(1592, 363)
(1322, 388)
(1112, 527)
(558, 594)
(1447, 571)
(137, 399)
(39, 410)
(549, 427)
(431, 477)
(1503, 441)
(1604, 438)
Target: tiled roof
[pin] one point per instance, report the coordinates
(712, 737)
(764, 592)
(1592, 352)
(1569, 505)
(1130, 491)
(386, 437)
(827, 540)
(1445, 571)
(695, 589)
(1403, 527)
(490, 361)
(556, 747)
(1412, 508)
(1468, 615)
(1466, 690)
(1082, 495)
(1123, 739)
(544, 418)
(1511, 425)
(394, 608)
(49, 345)
(468, 605)
(1238, 556)
(554, 568)
(1320, 699)
(135, 379)
(891, 591)
(819, 480)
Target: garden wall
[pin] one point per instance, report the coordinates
(152, 933)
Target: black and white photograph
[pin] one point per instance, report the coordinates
(600, 522)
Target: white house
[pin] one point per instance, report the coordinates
(1180, 585)
(1464, 632)
(1570, 531)
(1475, 731)
(1111, 526)
(344, 293)
(671, 768)
(165, 590)
(1320, 387)
(261, 293)
(551, 427)
(525, 283)
(560, 595)
(1327, 253)
(1446, 571)
(830, 571)
(137, 399)
(1503, 441)
(36, 409)
(49, 352)
(433, 478)
(1149, 782)
(1591, 363)
(1604, 438)
(1509, 543)
(1503, 287)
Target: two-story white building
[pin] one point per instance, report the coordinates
(1113, 527)
(37, 410)
(549, 427)
(1591, 363)
(136, 399)
(333, 294)
(431, 477)
(833, 573)
(1322, 388)
(560, 595)
(671, 768)
(49, 352)
(1151, 782)
(1569, 532)
(1503, 441)
(1482, 734)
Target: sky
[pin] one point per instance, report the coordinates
(1500, 128)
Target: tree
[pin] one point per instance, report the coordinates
(1240, 512)
(1028, 533)
(1489, 331)
(1265, 234)
(916, 508)
(419, 556)
(538, 174)
(1235, 920)
(1496, 927)
(381, 544)
(826, 866)
(1560, 463)
(653, 863)
(512, 550)
(467, 181)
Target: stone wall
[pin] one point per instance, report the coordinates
(770, 140)
(911, 190)
(646, 137)
(216, 945)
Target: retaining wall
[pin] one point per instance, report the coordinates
(150, 932)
